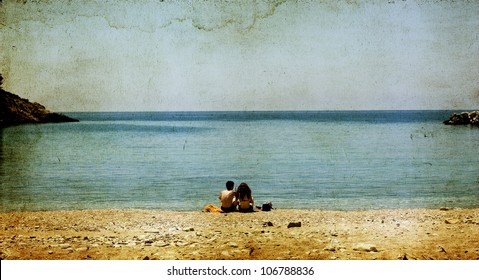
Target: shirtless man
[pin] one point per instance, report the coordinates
(228, 198)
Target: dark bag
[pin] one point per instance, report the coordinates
(267, 206)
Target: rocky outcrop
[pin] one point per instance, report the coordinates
(464, 118)
(15, 110)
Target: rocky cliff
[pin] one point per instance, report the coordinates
(15, 110)
(471, 118)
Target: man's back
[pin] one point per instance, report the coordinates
(227, 198)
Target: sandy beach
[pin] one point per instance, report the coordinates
(413, 234)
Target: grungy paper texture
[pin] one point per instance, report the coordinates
(241, 55)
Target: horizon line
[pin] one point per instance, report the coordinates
(272, 111)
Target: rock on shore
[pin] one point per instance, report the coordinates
(463, 118)
(15, 110)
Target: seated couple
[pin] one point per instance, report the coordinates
(241, 197)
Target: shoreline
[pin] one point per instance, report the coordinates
(280, 234)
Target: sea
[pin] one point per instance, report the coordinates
(329, 160)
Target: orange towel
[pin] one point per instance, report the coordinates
(212, 208)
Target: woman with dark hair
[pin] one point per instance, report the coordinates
(244, 198)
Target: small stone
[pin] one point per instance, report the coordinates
(233, 245)
(441, 249)
(65, 246)
(50, 252)
(451, 221)
(365, 247)
(294, 224)
(189, 229)
(330, 247)
(334, 246)
(225, 253)
(161, 244)
(152, 231)
(146, 258)
(268, 224)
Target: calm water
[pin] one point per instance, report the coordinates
(313, 160)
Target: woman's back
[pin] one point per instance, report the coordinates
(245, 199)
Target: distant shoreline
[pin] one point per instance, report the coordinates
(15, 110)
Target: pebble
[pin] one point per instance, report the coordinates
(441, 249)
(331, 248)
(334, 246)
(365, 247)
(294, 224)
(451, 221)
(225, 253)
(65, 246)
(152, 231)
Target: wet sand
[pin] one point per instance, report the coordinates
(429, 234)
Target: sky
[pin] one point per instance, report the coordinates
(241, 55)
